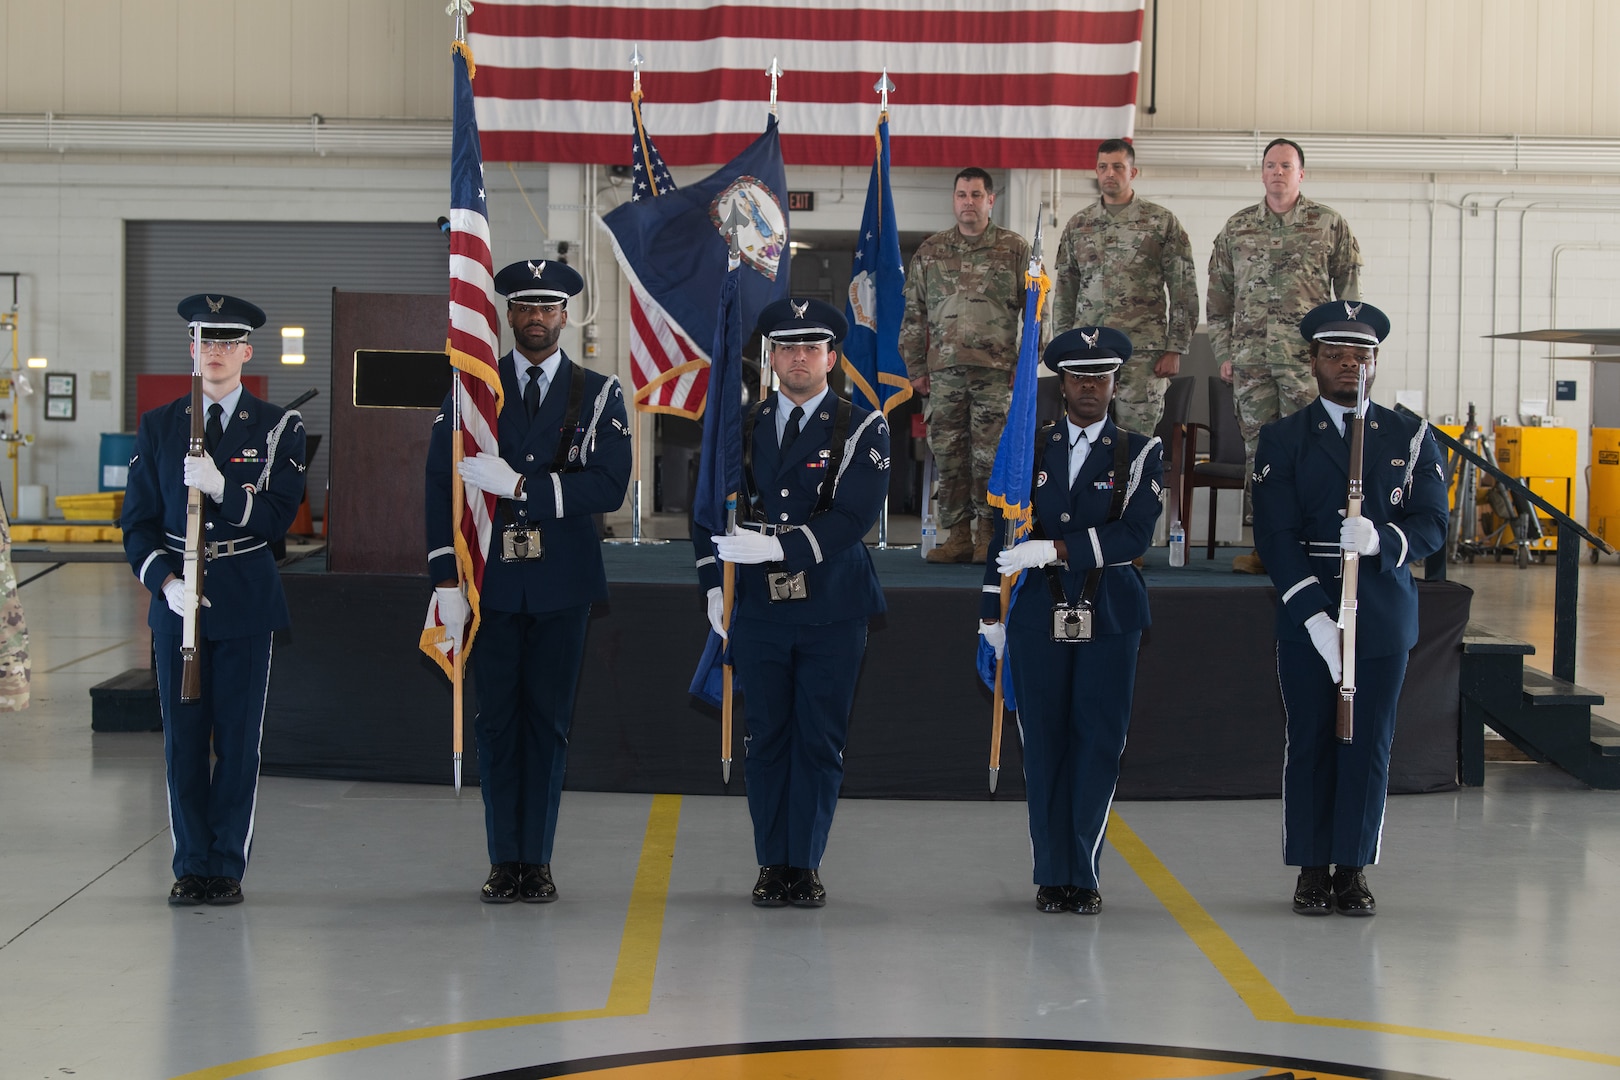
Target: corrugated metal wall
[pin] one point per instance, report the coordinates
(289, 269)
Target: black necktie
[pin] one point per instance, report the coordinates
(1347, 418)
(791, 432)
(531, 393)
(214, 430)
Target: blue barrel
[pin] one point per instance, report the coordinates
(116, 450)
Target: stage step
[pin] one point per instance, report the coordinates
(1548, 719)
(1541, 689)
(126, 702)
(1483, 641)
(1605, 737)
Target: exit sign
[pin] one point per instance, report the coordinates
(801, 200)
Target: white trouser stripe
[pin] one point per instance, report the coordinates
(258, 757)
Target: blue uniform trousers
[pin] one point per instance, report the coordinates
(1333, 792)
(526, 670)
(211, 803)
(798, 685)
(1074, 706)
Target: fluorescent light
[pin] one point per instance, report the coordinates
(37, 361)
(292, 344)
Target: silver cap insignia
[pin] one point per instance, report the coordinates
(214, 305)
(537, 269)
(1352, 310)
(799, 309)
(1091, 339)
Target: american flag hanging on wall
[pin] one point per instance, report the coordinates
(995, 83)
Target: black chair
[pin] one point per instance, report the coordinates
(1172, 434)
(1224, 468)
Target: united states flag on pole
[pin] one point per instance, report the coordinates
(998, 83)
(473, 346)
(670, 374)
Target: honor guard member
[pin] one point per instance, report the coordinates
(1333, 792)
(816, 468)
(564, 457)
(252, 475)
(1078, 614)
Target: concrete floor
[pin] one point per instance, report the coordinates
(362, 953)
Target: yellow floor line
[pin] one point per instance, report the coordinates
(629, 995)
(1257, 992)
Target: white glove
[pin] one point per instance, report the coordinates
(748, 547)
(1359, 534)
(717, 610)
(453, 612)
(491, 473)
(1026, 556)
(1325, 636)
(174, 591)
(996, 634)
(204, 475)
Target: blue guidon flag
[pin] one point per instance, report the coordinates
(1012, 476)
(877, 302)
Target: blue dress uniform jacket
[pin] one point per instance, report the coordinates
(839, 573)
(1333, 793)
(797, 660)
(531, 642)
(1074, 700)
(563, 504)
(261, 456)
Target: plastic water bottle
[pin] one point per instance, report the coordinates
(1178, 544)
(929, 539)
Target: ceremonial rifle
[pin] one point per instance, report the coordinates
(1350, 567)
(192, 565)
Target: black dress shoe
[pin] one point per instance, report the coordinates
(771, 888)
(1351, 893)
(1313, 892)
(1083, 901)
(189, 891)
(805, 889)
(1052, 898)
(501, 887)
(534, 883)
(224, 890)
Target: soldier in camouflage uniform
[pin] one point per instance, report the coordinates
(1272, 264)
(14, 666)
(1117, 261)
(959, 340)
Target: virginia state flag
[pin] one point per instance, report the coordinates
(877, 375)
(674, 249)
(1012, 476)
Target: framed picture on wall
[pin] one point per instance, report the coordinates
(60, 385)
(59, 408)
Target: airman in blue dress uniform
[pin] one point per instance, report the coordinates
(817, 470)
(1096, 499)
(564, 457)
(253, 478)
(1333, 792)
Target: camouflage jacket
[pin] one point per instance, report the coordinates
(964, 301)
(1267, 271)
(1115, 270)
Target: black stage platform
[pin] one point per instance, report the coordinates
(352, 697)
